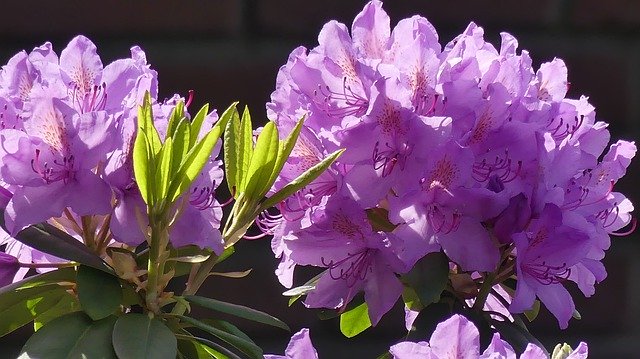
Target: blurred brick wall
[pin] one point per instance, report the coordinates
(231, 49)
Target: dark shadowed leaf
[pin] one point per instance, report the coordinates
(237, 310)
(49, 239)
(100, 293)
(66, 304)
(72, 336)
(428, 277)
(245, 346)
(136, 336)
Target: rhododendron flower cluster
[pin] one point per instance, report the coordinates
(465, 149)
(67, 129)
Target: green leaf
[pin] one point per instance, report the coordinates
(196, 123)
(428, 277)
(284, 151)
(26, 304)
(136, 336)
(192, 165)
(67, 304)
(227, 327)
(192, 349)
(49, 239)
(99, 293)
(72, 336)
(262, 162)
(355, 321)
(181, 145)
(234, 148)
(245, 346)
(56, 276)
(177, 115)
(216, 350)
(163, 171)
(237, 310)
(142, 167)
(299, 182)
(146, 126)
(532, 313)
(246, 153)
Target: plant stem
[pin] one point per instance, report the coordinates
(155, 265)
(484, 292)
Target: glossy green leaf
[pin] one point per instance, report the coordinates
(284, 151)
(246, 153)
(245, 346)
(49, 239)
(304, 179)
(216, 350)
(232, 151)
(262, 162)
(181, 145)
(226, 116)
(163, 170)
(146, 125)
(355, 321)
(136, 336)
(56, 276)
(72, 336)
(192, 349)
(142, 167)
(100, 294)
(227, 327)
(237, 310)
(428, 277)
(196, 123)
(27, 304)
(67, 304)
(177, 115)
(191, 167)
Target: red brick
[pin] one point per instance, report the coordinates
(121, 17)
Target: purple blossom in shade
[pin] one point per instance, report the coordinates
(9, 267)
(356, 258)
(547, 251)
(300, 347)
(455, 337)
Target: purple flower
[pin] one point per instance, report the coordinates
(356, 257)
(455, 337)
(465, 148)
(9, 267)
(300, 347)
(547, 250)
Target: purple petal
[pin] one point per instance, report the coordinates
(409, 350)
(457, 337)
(81, 65)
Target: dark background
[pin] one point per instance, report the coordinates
(227, 50)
